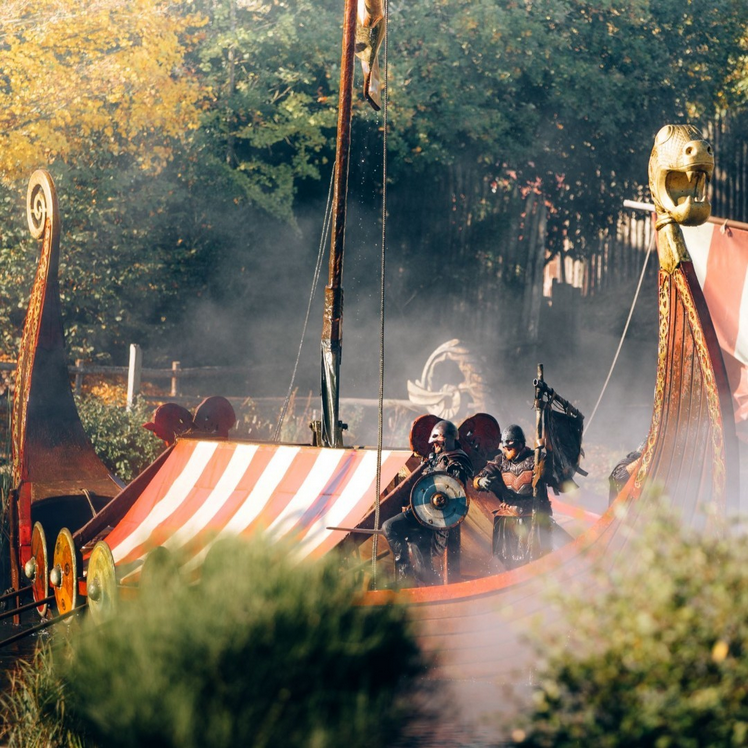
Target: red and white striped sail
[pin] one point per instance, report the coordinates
(211, 489)
(720, 259)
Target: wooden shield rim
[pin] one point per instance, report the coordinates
(40, 585)
(65, 557)
(101, 568)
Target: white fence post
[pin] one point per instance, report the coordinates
(176, 388)
(78, 375)
(134, 372)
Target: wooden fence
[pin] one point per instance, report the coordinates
(136, 373)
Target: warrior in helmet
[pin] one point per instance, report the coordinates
(522, 523)
(415, 546)
(623, 470)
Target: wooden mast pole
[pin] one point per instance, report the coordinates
(538, 406)
(332, 331)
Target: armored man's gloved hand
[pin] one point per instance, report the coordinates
(482, 483)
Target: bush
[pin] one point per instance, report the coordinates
(118, 436)
(260, 652)
(659, 657)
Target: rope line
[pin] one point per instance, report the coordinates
(375, 539)
(315, 282)
(625, 329)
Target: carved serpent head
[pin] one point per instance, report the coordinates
(680, 169)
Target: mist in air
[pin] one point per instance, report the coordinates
(424, 308)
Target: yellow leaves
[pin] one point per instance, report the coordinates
(110, 393)
(720, 650)
(77, 74)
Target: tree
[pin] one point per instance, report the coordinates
(565, 94)
(82, 77)
(273, 115)
(99, 93)
(142, 246)
(507, 109)
(501, 113)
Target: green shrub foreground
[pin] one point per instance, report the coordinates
(118, 436)
(260, 652)
(659, 658)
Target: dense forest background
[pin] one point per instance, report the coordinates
(192, 146)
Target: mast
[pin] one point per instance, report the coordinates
(538, 407)
(332, 329)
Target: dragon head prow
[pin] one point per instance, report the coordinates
(680, 169)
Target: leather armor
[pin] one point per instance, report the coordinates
(511, 481)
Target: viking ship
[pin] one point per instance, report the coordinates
(331, 498)
(57, 480)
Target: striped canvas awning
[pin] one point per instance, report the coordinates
(211, 489)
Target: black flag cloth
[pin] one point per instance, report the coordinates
(563, 438)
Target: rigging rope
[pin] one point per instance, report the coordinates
(625, 329)
(378, 489)
(315, 282)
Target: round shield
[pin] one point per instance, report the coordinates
(101, 583)
(37, 568)
(438, 501)
(64, 574)
(480, 436)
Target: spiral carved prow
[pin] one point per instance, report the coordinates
(41, 205)
(55, 470)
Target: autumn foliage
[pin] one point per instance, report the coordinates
(496, 108)
(80, 76)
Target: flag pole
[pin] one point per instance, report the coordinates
(726, 223)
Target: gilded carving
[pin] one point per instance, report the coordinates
(680, 169)
(710, 385)
(43, 222)
(659, 394)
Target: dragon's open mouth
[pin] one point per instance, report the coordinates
(685, 194)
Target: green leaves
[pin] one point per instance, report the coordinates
(657, 657)
(273, 112)
(118, 436)
(559, 89)
(233, 105)
(261, 651)
(113, 79)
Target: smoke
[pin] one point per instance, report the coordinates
(259, 325)
(250, 317)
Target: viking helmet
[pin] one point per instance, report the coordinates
(513, 433)
(444, 429)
